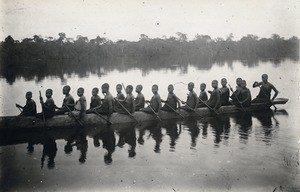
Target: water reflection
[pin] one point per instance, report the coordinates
(220, 128)
(174, 131)
(217, 128)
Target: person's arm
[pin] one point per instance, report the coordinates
(159, 103)
(276, 92)
(256, 84)
(110, 106)
(177, 101)
(133, 105)
(19, 106)
(196, 101)
(247, 98)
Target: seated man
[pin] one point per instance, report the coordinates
(155, 102)
(235, 94)
(140, 99)
(244, 96)
(214, 101)
(107, 106)
(128, 102)
(265, 90)
(68, 100)
(30, 107)
(80, 105)
(172, 100)
(203, 95)
(224, 93)
(192, 99)
(48, 107)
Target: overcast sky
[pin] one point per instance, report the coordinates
(127, 19)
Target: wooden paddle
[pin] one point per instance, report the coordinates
(156, 114)
(237, 98)
(94, 110)
(208, 106)
(42, 109)
(173, 109)
(126, 109)
(77, 120)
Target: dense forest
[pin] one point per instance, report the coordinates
(55, 56)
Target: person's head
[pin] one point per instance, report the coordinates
(139, 88)
(119, 88)
(202, 86)
(129, 89)
(223, 82)
(238, 81)
(80, 91)
(191, 86)
(66, 89)
(154, 89)
(214, 84)
(49, 93)
(170, 88)
(95, 91)
(105, 88)
(243, 83)
(264, 78)
(28, 95)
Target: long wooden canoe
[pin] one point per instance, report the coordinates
(92, 120)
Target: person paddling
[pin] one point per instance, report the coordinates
(48, 107)
(108, 102)
(140, 99)
(120, 96)
(244, 96)
(265, 90)
(192, 99)
(68, 100)
(29, 108)
(95, 100)
(127, 104)
(80, 105)
(172, 101)
(203, 94)
(224, 92)
(235, 93)
(214, 102)
(155, 102)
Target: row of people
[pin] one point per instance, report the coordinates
(241, 97)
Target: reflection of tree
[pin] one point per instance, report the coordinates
(49, 56)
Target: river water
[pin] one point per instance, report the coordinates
(238, 152)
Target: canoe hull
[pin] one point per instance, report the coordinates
(92, 120)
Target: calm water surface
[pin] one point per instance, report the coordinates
(238, 152)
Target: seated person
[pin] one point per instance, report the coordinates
(155, 102)
(140, 99)
(235, 93)
(172, 100)
(265, 90)
(128, 102)
(214, 101)
(203, 94)
(30, 107)
(68, 100)
(120, 96)
(95, 100)
(224, 92)
(80, 105)
(48, 107)
(244, 96)
(192, 99)
(107, 106)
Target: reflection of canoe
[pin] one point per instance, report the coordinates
(92, 120)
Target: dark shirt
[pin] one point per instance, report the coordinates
(192, 100)
(215, 99)
(172, 100)
(155, 102)
(203, 96)
(139, 101)
(29, 109)
(224, 95)
(95, 101)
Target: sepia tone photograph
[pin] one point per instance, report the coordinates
(150, 95)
